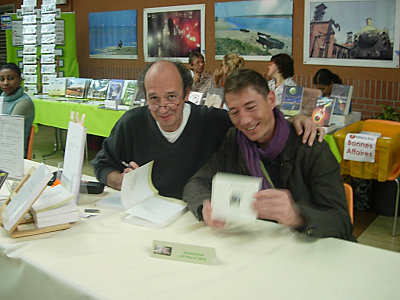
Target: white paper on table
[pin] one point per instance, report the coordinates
(12, 145)
(156, 211)
(111, 201)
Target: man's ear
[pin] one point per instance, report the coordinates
(271, 98)
(187, 92)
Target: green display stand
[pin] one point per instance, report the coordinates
(71, 67)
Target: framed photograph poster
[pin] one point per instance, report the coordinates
(362, 33)
(173, 32)
(113, 34)
(255, 30)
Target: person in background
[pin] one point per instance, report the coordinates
(178, 135)
(324, 80)
(202, 81)
(281, 70)
(15, 101)
(230, 63)
(301, 186)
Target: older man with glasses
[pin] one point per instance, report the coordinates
(178, 135)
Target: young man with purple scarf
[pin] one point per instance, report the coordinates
(301, 187)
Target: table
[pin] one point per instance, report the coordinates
(98, 121)
(105, 258)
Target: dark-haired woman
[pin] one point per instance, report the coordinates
(324, 80)
(15, 101)
(281, 70)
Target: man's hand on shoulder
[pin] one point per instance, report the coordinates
(304, 125)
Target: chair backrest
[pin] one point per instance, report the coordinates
(30, 143)
(349, 196)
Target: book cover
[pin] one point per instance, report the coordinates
(342, 94)
(195, 97)
(115, 89)
(75, 87)
(57, 86)
(98, 89)
(3, 177)
(309, 100)
(129, 92)
(323, 111)
(215, 97)
(232, 197)
(291, 100)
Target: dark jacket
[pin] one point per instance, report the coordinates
(311, 174)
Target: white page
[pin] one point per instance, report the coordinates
(52, 197)
(137, 186)
(155, 210)
(111, 201)
(12, 145)
(28, 193)
(73, 158)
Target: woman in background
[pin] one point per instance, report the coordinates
(230, 63)
(324, 80)
(281, 70)
(15, 101)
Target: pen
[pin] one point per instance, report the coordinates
(92, 210)
(126, 165)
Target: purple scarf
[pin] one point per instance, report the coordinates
(253, 154)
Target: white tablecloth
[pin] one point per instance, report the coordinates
(106, 258)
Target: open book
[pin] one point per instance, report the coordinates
(143, 203)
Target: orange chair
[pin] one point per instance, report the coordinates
(30, 142)
(349, 196)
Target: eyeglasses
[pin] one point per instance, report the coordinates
(168, 106)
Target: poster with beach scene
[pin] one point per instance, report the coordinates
(255, 30)
(359, 33)
(173, 32)
(113, 34)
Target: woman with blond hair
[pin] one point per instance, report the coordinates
(230, 63)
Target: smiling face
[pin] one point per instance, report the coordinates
(164, 86)
(252, 114)
(10, 81)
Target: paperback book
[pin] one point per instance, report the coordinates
(309, 100)
(342, 95)
(57, 86)
(98, 89)
(323, 111)
(215, 97)
(77, 87)
(115, 90)
(129, 92)
(291, 100)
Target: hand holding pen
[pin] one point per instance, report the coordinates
(129, 167)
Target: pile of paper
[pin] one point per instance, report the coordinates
(54, 206)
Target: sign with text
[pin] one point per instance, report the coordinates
(360, 147)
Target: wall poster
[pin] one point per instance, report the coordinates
(173, 32)
(359, 33)
(255, 30)
(113, 34)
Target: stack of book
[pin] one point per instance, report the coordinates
(53, 207)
